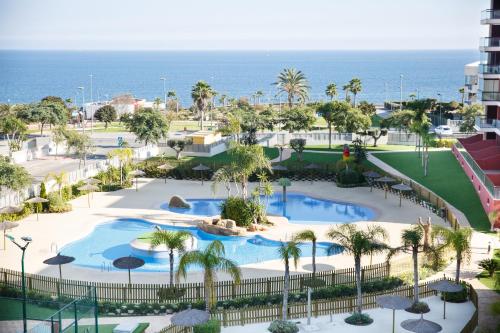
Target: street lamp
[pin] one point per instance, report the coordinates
(92, 106)
(164, 79)
(440, 117)
(401, 92)
(27, 241)
(83, 108)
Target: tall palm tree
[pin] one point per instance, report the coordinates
(355, 87)
(258, 96)
(358, 242)
(308, 235)
(461, 91)
(347, 89)
(459, 240)
(157, 103)
(294, 84)
(331, 91)
(211, 260)
(222, 100)
(288, 252)
(202, 93)
(173, 241)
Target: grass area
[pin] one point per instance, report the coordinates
(368, 148)
(107, 328)
(489, 281)
(321, 159)
(224, 157)
(12, 310)
(446, 178)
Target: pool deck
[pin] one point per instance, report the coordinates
(53, 231)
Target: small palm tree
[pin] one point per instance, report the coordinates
(211, 260)
(258, 95)
(222, 100)
(124, 156)
(60, 179)
(294, 84)
(173, 241)
(346, 88)
(358, 242)
(308, 235)
(288, 252)
(157, 103)
(461, 91)
(355, 88)
(331, 91)
(202, 93)
(284, 183)
(459, 240)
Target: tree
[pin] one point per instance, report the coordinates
(210, 260)
(106, 114)
(13, 177)
(327, 111)
(202, 93)
(80, 144)
(47, 112)
(284, 183)
(459, 240)
(288, 252)
(150, 126)
(124, 156)
(469, 114)
(222, 100)
(331, 91)
(250, 159)
(173, 241)
(59, 135)
(308, 235)
(294, 84)
(358, 242)
(298, 145)
(178, 145)
(346, 88)
(258, 96)
(355, 87)
(461, 91)
(366, 108)
(60, 179)
(356, 121)
(298, 119)
(15, 131)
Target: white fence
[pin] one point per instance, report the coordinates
(87, 171)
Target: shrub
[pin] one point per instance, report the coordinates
(283, 326)
(350, 177)
(489, 265)
(211, 326)
(57, 204)
(237, 209)
(458, 297)
(419, 307)
(17, 216)
(442, 143)
(43, 206)
(359, 319)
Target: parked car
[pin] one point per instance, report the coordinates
(443, 130)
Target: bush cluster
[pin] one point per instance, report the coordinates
(283, 326)
(443, 143)
(243, 212)
(458, 297)
(27, 210)
(359, 319)
(211, 326)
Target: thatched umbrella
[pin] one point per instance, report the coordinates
(89, 188)
(136, 174)
(201, 168)
(59, 260)
(393, 302)
(401, 188)
(386, 180)
(10, 210)
(7, 225)
(312, 166)
(445, 286)
(371, 175)
(421, 325)
(165, 167)
(128, 263)
(36, 200)
(190, 318)
(92, 181)
(279, 167)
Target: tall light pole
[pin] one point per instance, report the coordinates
(92, 106)
(83, 108)
(164, 79)
(27, 241)
(401, 92)
(439, 101)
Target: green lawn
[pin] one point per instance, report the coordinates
(446, 178)
(321, 159)
(107, 328)
(12, 310)
(368, 147)
(490, 281)
(226, 158)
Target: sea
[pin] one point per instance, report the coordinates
(27, 76)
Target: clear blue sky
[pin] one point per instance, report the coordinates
(237, 24)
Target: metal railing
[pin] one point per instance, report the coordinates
(489, 42)
(489, 69)
(490, 96)
(484, 122)
(490, 14)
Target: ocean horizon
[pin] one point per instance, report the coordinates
(27, 76)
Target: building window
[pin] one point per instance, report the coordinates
(479, 188)
(488, 201)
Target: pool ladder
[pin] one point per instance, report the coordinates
(52, 246)
(105, 267)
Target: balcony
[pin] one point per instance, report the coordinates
(490, 96)
(483, 122)
(489, 43)
(490, 16)
(489, 69)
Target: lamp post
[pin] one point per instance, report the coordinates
(27, 241)
(83, 108)
(164, 79)
(439, 101)
(92, 106)
(401, 92)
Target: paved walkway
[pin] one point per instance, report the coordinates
(285, 155)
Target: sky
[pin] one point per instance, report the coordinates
(240, 25)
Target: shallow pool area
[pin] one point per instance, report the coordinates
(298, 209)
(111, 240)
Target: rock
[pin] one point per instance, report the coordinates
(252, 228)
(178, 202)
(230, 224)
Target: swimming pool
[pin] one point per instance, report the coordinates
(298, 209)
(111, 240)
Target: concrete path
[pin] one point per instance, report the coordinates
(285, 155)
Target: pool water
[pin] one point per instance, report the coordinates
(299, 209)
(109, 241)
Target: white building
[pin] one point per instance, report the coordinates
(471, 85)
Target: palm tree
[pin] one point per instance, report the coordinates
(60, 179)
(222, 100)
(461, 91)
(211, 260)
(459, 240)
(331, 91)
(413, 96)
(293, 83)
(346, 88)
(355, 87)
(173, 241)
(309, 235)
(124, 155)
(287, 252)
(202, 93)
(412, 243)
(157, 103)
(284, 183)
(358, 243)
(258, 95)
